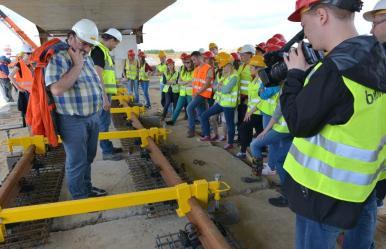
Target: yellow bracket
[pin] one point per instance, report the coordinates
(41, 142)
(137, 110)
(182, 193)
(123, 98)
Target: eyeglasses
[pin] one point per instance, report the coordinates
(85, 43)
(375, 23)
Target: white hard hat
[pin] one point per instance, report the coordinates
(26, 48)
(369, 15)
(114, 33)
(87, 31)
(248, 48)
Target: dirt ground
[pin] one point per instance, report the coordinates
(261, 226)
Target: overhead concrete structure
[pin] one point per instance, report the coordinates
(57, 17)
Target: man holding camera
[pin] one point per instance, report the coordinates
(334, 164)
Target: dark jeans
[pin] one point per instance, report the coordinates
(170, 98)
(198, 103)
(241, 110)
(229, 114)
(246, 131)
(6, 88)
(104, 124)
(80, 140)
(145, 89)
(314, 235)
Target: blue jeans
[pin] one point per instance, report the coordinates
(183, 101)
(279, 146)
(130, 85)
(145, 89)
(314, 235)
(198, 103)
(80, 141)
(271, 162)
(104, 124)
(229, 114)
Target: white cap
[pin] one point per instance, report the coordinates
(248, 48)
(26, 48)
(87, 31)
(114, 33)
(369, 15)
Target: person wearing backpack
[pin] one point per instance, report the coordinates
(71, 78)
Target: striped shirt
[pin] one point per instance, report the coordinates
(85, 96)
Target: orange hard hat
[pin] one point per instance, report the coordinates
(131, 53)
(185, 56)
(280, 37)
(170, 61)
(141, 54)
(301, 5)
(236, 56)
(208, 55)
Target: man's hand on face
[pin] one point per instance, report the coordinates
(296, 60)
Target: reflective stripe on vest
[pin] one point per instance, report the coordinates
(24, 77)
(171, 81)
(200, 74)
(253, 95)
(267, 106)
(229, 99)
(142, 73)
(161, 68)
(131, 70)
(108, 72)
(185, 77)
(245, 78)
(343, 161)
(281, 126)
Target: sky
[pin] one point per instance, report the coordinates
(189, 25)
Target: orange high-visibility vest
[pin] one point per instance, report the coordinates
(24, 77)
(199, 80)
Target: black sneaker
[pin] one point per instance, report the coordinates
(278, 201)
(170, 122)
(99, 190)
(117, 150)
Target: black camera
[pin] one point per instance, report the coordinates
(276, 70)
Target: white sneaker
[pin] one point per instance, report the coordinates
(267, 171)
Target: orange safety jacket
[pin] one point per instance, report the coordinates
(199, 79)
(41, 108)
(24, 77)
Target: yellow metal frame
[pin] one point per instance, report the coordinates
(157, 134)
(137, 110)
(126, 98)
(200, 189)
(122, 91)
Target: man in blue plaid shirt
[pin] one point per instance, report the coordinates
(76, 90)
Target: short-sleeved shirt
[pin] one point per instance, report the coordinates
(98, 57)
(84, 98)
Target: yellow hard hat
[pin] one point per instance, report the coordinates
(161, 54)
(257, 61)
(223, 59)
(212, 45)
(239, 49)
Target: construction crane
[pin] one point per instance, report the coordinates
(18, 31)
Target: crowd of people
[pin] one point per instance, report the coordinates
(308, 127)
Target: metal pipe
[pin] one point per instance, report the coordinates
(11, 187)
(210, 236)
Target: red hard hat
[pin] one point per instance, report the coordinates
(141, 54)
(185, 56)
(236, 56)
(274, 44)
(131, 53)
(300, 6)
(170, 61)
(280, 37)
(208, 55)
(261, 46)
